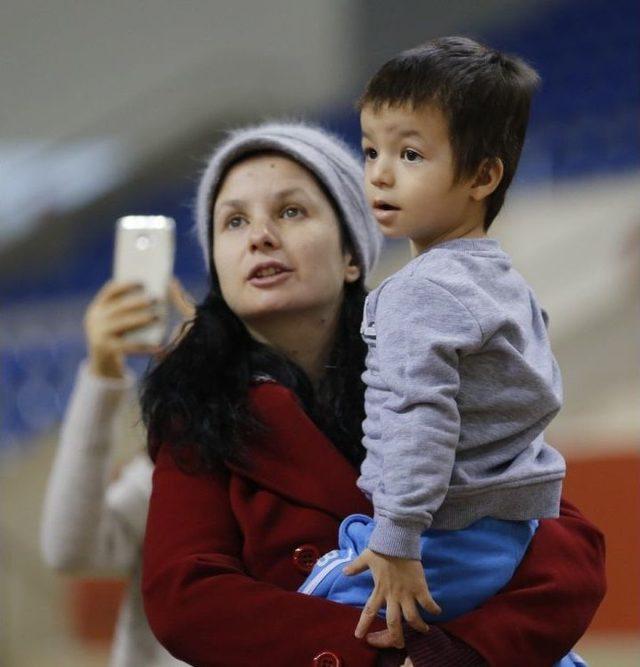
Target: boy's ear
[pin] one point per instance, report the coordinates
(487, 178)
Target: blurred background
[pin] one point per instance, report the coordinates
(109, 108)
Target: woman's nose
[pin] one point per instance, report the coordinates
(263, 235)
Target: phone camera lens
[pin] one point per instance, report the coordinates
(143, 242)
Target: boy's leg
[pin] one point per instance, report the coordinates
(463, 567)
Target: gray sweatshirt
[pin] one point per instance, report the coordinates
(461, 383)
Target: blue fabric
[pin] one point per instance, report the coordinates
(463, 567)
(572, 659)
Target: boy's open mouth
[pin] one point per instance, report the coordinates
(384, 206)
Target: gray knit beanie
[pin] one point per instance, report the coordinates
(322, 153)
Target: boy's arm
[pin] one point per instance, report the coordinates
(421, 329)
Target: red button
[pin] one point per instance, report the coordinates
(327, 659)
(305, 557)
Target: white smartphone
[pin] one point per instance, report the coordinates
(144, 253)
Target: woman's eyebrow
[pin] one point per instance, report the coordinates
(277, 195)
(289, 192)
(230, 203)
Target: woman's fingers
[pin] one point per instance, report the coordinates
(179, 332)
(369, 612)
(129, 304)
(129, 322)
(118, 307)
(141, 348)
(181, 299)
(107, 304)
(112, 289)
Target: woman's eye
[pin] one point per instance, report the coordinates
(370, 153)
(411, 155)
(291, 212)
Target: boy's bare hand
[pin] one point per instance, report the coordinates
(400, 584)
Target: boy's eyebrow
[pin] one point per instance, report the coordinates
(403, 134)
(410, 133)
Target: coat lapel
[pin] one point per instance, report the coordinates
(296, 460)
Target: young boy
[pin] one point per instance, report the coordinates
(461, 380)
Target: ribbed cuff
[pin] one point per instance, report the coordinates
(92, 406)
(438, 649)
(123, 384)
(396, 539)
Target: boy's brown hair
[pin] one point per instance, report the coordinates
(484, 95)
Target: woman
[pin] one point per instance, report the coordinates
(93, 521)
(255, 421)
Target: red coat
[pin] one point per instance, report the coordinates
(225, 552)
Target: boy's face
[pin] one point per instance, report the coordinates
(409, 175)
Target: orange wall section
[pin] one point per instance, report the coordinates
(93, 606)
(607, 491)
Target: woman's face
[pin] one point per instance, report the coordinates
(276, 242)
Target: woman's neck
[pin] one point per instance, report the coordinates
(305, 338)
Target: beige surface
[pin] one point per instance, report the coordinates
(610, 651)
(34, 628)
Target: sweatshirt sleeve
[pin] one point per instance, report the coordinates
(421, 331)
(550, 600)
(89, 524)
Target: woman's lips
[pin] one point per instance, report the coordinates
(270, 281)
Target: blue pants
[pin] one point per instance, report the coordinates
(463, 567)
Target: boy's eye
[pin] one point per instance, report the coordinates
(235, 222)
(411, 155)
(292, 212)
(370, 153)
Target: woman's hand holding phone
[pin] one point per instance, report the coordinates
(115, 310)
(119, 308)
